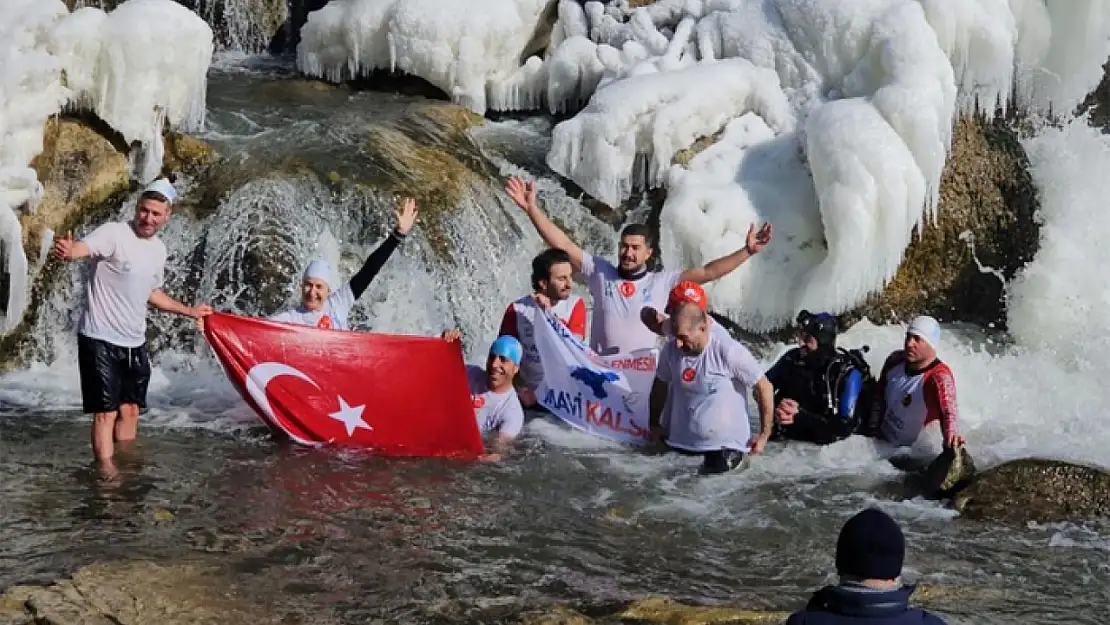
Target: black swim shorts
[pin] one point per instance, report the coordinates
(111, 375)
(721, 461)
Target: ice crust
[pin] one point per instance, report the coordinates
(144, 63)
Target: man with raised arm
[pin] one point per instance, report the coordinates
(552, 285)
(699, 401)
(620, 292)
(325, 306)
(127, 264)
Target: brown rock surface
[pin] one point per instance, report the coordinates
(1030, 489)
(986, 190)
(131, 593)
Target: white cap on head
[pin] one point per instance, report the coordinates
(164, 188)
(319, 269)
(927, 328)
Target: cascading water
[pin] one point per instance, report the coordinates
(571, 517)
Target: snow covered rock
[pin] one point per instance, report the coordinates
(874, 87)
(461, 47)
(135, 68)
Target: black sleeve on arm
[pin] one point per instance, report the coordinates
(374, 263)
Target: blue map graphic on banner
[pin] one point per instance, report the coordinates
(595, 380)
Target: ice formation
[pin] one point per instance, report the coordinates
(145, 62)
(871, 88)
(460, 47)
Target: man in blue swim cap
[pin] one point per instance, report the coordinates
(496, 405)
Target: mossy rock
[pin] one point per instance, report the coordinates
(1045, 491)
(428, 154)
(987, 202)
(131, 592)
(186, 154)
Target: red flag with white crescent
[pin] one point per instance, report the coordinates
(398, 395)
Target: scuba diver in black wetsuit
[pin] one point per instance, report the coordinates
(821, 392)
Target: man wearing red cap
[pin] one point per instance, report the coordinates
(685, 292)
(621, 291)
(698, 402)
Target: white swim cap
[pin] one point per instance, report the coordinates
(927, 328)
(163, 187)
(319, 269)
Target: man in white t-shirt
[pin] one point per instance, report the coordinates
(126, 272)
(682, 293)
(700, 390)
(620, 292)
(496, 405)
(552, 285)
(323, 305)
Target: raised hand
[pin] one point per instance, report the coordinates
(758, 240)
(63, 246)
(406, 217)
(523, 193)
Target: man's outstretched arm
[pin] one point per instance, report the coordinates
(725, 265)
(524, 194)
(165, 303)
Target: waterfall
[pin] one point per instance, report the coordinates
(459, 268)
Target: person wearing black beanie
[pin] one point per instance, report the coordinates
(817, 387)
(869, 555)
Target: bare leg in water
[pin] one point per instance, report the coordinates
(127, 425)
(104, 424)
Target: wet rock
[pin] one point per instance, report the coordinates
(665, 610)
(541, 34)
(81, 169)
(1098, 101)
(659, 610)
(131, 593)
(186, 154)
(946, 475)
(986, 215)
(1038, 490)
(427, 153)
(557, 615)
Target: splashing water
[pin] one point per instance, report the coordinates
(580, 510)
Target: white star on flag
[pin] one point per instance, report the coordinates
(350, 417)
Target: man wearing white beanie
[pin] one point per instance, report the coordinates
(126, 272)
(915, 389)
(324, 304)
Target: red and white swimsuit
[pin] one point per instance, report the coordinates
(518, 322)
(911, 401)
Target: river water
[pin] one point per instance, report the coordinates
(569, 517)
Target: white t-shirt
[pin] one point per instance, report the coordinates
(707, 395)
(616, 325)
(124, 270)
(332, 316)
(495, 412)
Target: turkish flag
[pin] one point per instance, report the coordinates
(397, 395)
